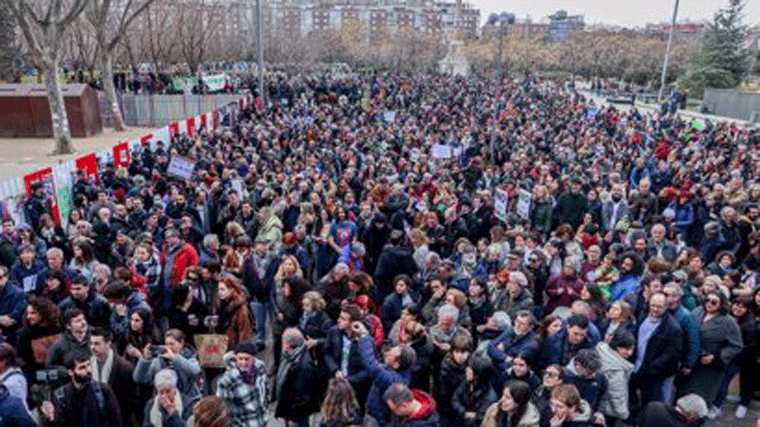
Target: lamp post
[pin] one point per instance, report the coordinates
(260, 55)
(502, 20)
(667, 54)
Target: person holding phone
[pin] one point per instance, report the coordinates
(172, 355)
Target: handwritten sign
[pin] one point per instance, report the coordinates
(181, 167)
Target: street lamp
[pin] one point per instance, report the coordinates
(667, 54)
(501, 20)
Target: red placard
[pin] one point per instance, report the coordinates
(204, 121)
(145, 140)
(215, 118)
(89, 164)
(45, 177)
(191, 126)
(173, 129)
(121, 154)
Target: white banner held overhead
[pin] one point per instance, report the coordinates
(500, 204)
(181, 167)
(523, 204)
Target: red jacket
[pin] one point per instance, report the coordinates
(186, 257)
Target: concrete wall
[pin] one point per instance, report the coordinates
(161, 110)
(732, 103)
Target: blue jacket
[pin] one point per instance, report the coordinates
(12, 411)
(526, 344)
(554, 348)
(382, 378)
(12, 301)
(626, 285)
(691, 345)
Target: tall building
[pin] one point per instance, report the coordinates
(562, 25)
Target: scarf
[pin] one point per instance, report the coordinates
(288, 360)
(102, 374)
(249, 375)
(156, 417)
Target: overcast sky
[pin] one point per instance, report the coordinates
(625, 13)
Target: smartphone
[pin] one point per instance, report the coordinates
(157, 350)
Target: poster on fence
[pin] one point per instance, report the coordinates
(523, 204)
(12, 197)
(121, 155)
(89, 164)
(45, 177)
(181, 167)
(500, 204)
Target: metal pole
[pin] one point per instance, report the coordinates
(501, 46)
(260, 54)
(667, 54)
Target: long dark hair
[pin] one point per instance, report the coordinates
(149, 333)
(520, 392)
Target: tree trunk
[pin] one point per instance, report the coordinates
(59, 119)
(106, 71)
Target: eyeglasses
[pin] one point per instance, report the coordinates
(551, 374)
(713, 301)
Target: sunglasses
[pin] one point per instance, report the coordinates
(551, 374)
(713, 301)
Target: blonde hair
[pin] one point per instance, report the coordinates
(316, 300)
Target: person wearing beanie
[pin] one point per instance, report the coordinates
(244, 386)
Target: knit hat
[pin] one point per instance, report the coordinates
(249, 347)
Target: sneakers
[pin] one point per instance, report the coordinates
(714, 412)
(741, 411)
(732, 398)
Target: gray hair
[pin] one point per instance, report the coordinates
(54, 251)
(210, 239)
(501, 320)
(519, 278)
(674, 288)
(448, 310)
(165, 378)
(692, 406)
(103, 267)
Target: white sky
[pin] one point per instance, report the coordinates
(625, 13)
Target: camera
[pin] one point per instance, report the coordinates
(47, 375)
(211, 321)
(157, 350)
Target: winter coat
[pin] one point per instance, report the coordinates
(300, 392)
(660, 414)
(120, 379)
(663, 350)
(12, 301)
(618, 372)
(477, 399)
(523, 301)
(235, 322)
(591, 389)
(13, 412)
(425, 417)
(65, 345)
(393, 260)
(185, 365)
(248, 403)
(357, 375)
(565, 298)
(555, 351)
(185, 257)
(86, 407)
(271, 230)
(156, 415)
(721, 337)
(450, 375)
(391, 310)
(382, 378)
(316, 326)
(95, 307)
(690, 329)
(526, 345)
(531, 417)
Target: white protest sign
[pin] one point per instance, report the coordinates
(500, 204)
(523, 204)
(181, 167)
(441, 151)
(389, 116)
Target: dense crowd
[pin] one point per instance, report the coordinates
(357, 276)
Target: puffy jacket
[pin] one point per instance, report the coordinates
(95, 307)
(618, 372)
(12, 301)
(691, 340)
(531, 417)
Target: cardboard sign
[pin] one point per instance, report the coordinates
(500, 204)
(440, 151)
(181, 167)
(211, 350)
(121, 155)
(45, 177)
(523, 204)
(41, 346)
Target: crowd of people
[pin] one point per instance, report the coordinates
(354, 275)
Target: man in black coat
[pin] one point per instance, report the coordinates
(659, 339)
(394, 260)
(83, 401)
(341, 352)
(689, 410)
(116, 371)
(300, 380)
(95, 306)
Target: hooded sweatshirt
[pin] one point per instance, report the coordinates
(426, 416)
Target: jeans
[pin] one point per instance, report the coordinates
(260, 310)
(731, 372)
(669, 390)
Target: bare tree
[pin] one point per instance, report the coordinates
(198, 24)
(43, 25)
(110, 19)
(79, 48)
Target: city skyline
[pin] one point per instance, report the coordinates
(604, 12)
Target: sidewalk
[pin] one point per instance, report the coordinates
(24, 155)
